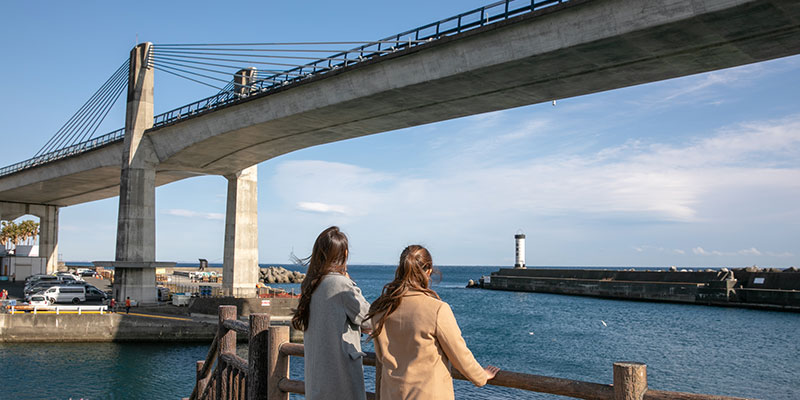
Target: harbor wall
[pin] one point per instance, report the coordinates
(28, 327)
(274, 306)
(752, 287)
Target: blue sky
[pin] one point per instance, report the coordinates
(696, 171)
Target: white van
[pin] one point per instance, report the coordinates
(66, 294)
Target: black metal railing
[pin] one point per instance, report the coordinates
(479, 17)
(77, 148)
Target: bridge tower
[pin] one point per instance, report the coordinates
(136, 222)
(240, 262)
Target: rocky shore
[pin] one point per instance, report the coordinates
(280, 275)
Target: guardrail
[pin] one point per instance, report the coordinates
(90, 144)
(58, 310)
(265, 372)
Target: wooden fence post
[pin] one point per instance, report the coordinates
(201, 383)
(278, 365)
(258, 357)
(630, 380)
(227, 345)
(227, 342)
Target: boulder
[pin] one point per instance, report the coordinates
(280, 275)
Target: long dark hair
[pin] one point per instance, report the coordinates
(411, 274)
(329, 255)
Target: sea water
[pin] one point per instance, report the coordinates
(700, 349)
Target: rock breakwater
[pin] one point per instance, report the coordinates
(280, 275)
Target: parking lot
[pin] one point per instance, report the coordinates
(16, 289)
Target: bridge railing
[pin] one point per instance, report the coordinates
(265, 373)
(489, 14)
(77, 148)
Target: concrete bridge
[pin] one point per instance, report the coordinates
(552, 50)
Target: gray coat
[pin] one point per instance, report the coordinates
(333, 355)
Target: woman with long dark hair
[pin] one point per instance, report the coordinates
(331, 312)
(416, 335)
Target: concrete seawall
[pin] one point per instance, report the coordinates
(27, 327)
(753, 288)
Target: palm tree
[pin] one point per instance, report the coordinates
(13, 234)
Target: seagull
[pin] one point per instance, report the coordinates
(603, 322)
(554, 103)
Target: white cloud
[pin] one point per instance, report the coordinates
(783, 254)
(321, 208)
(178, 212)
(752, 251)
(749, 252)
(656, 182)
(703, 252)
(720, 178)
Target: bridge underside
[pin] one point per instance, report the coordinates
(580, 48)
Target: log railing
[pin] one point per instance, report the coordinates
(265, 373)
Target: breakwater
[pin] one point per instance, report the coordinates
(42, 328)
(746, 287)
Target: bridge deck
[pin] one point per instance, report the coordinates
(574, 49)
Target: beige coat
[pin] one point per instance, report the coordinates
(414, 347)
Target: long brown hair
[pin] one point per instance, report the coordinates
(411, 274)
(329, 255)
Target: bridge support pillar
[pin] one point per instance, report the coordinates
(136, 221)
(48, 227)
(240, 263)
(48, 236)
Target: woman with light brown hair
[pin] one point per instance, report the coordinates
(331, 312)
(416, 335)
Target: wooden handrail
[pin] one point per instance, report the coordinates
(205, 367)
(665, 395)
(266, 371)
(546, 384)
(234, 361)
(237, 326)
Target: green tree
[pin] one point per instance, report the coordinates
(13, 234)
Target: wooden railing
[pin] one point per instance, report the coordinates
(265, 373)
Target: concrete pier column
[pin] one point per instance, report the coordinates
(48, 227)
(240, 263)
(136, 228)
(48, 236)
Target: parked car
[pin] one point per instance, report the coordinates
(95, 294)
(41, 286)
(80, 283)
(39, 300)
(66, 294)
(87, 272)
(66, 276)
(33, 279)
(39, 277)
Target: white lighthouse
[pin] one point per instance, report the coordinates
(519, 238)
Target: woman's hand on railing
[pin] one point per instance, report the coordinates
(491, 371)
